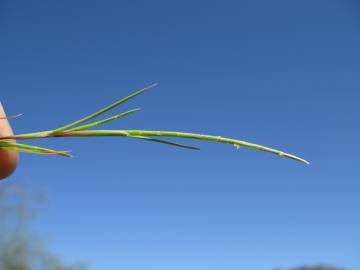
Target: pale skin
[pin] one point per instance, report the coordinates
(8, 158)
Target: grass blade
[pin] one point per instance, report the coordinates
(108, 108)
(103, 121)
(164, 142)
(21, 150)
(31, 149)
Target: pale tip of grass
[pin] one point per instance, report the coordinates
(151, 86)
(282, 154)
(12, 116)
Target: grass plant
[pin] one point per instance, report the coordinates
(80, 129)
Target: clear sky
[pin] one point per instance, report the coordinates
(280, 73)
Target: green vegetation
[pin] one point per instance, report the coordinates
(79, 129)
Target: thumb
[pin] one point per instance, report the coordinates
(8, 158)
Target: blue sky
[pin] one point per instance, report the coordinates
(279, 73)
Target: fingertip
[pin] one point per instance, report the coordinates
(8, 162)
(8, 158)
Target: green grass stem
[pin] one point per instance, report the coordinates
(75, 129)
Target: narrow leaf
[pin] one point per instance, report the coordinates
(91, 116)
(164, 142)
(103, 121)
(31, 149)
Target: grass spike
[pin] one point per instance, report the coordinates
(187, 135)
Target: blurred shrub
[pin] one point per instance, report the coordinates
(318, 267)
(20, 249)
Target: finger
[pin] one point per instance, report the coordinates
(8, 158)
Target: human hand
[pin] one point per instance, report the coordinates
(8, 158)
